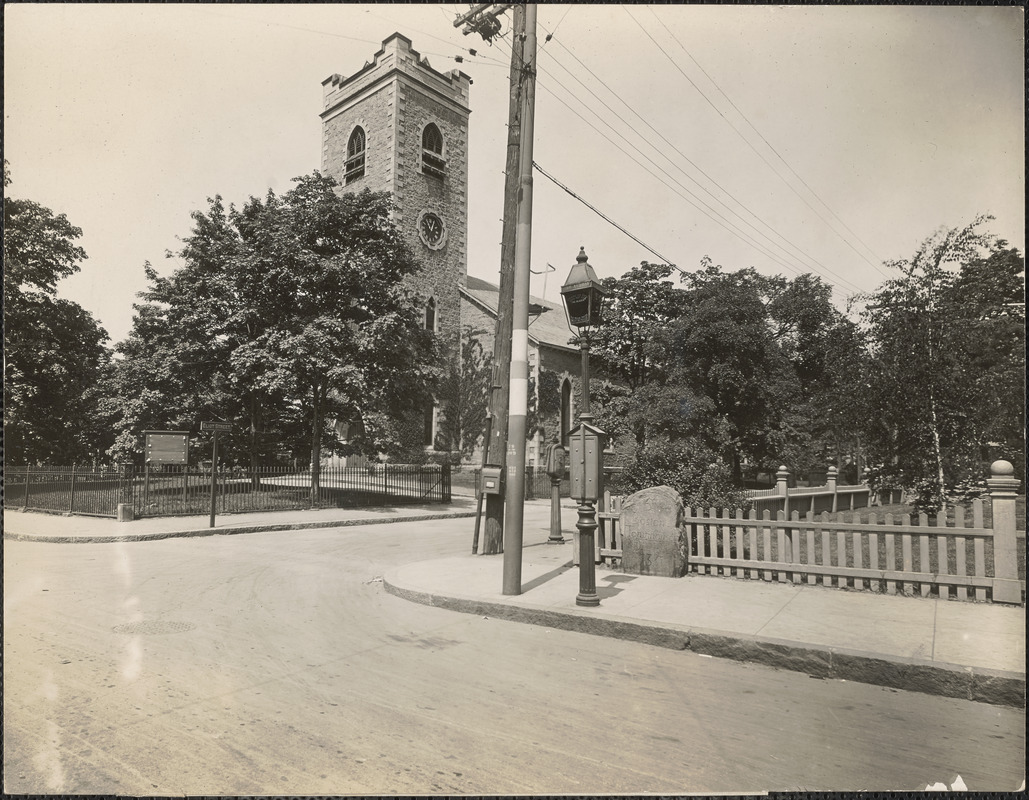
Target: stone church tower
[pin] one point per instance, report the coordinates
(400, 126)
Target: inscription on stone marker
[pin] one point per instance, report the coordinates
(653, 534)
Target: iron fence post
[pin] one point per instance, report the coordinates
(71, 499)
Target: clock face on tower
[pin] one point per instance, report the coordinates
(432, 230)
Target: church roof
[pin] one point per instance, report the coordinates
(548, 325)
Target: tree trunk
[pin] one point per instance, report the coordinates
(936, 446)
(737, 469)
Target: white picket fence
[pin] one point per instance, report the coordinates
(951, 556)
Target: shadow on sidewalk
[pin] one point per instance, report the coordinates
(546, 576)
(606, 592)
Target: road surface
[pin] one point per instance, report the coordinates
(275, 663)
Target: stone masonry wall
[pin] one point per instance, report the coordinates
(393, 98)
(416, 191)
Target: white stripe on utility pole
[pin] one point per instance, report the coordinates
(519, 394)
(519, 345)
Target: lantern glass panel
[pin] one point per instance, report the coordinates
(578, 304)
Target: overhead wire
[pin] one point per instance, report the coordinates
(814, 194)
(489, 61)
(817, 264)
(748, 142)
(551, 34)
(713, 215)
(812, 261)
(485, 60)
(604, 216)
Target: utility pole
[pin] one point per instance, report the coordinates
(483, 20)
(519, 380)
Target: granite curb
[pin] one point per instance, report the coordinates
(997, 687)
(281, 526)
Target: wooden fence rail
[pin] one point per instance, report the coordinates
(887, 554)
(832, 496)
(959, 558)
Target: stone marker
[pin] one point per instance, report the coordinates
(653, 534)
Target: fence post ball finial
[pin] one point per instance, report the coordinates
(1002, 482)
(1001, 469)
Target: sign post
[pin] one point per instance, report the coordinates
(215, 427)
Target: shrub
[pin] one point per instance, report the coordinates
(925, 496)
(687, 466)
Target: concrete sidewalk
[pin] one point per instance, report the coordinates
(41, 527)
(968, 650)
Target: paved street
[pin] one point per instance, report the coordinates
(274, 663)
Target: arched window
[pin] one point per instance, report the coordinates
(566, 410)
(355, 156)
(433, 162)
(430, 314)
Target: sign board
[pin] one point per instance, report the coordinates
(220, 427)
(167, 447)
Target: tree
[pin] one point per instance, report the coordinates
(292, 311)
(989, 296)
(54, 354)
(640, 305)
(836, 407)
(176, 367)
(626, 352)
(726, 350)
(464, 395)
(944, 350)
(736, 363)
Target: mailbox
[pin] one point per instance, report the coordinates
(492, 480)
(556, 461)
(586, 460)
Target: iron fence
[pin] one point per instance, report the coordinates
(177, 490)
(71, 490)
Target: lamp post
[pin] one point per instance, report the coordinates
(583, 296)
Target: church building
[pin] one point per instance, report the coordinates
(399, 125)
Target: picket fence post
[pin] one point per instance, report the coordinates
(830, 482)
(1003, 487)
(782, 487)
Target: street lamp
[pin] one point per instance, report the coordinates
(583, 297)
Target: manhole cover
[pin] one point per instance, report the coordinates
(154, 627)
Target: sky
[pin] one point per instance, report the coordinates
(791, 139)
